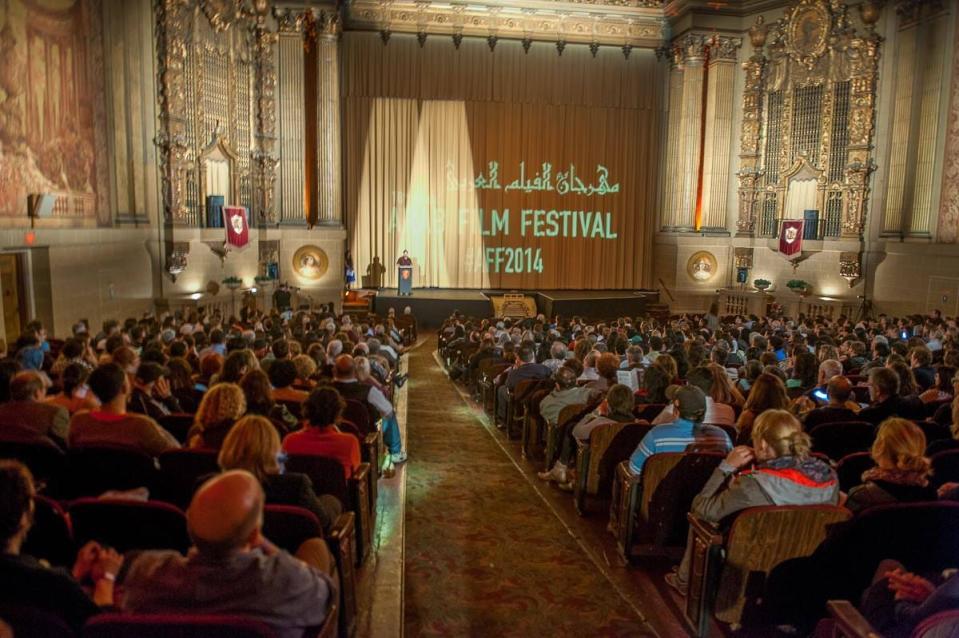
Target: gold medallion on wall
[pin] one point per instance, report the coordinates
(702, 266)
(808, 32)
(310, 262)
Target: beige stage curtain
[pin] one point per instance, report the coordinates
(422, 123)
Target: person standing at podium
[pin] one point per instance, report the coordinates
(405, 287)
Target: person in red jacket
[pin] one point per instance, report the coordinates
(319, 435)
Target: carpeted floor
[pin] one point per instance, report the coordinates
(485, 556)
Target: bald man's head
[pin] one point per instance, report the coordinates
(343, 367)
(226, 513)
(839, 390)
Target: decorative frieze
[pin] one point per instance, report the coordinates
(637, 23)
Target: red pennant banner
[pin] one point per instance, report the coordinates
(790, 238)
(237, 230)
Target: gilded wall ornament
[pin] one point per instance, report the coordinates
(808, 32)
(702, 266)
(310, 262)
(811, 68)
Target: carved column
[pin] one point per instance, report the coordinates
(693, 50)
(264, 155)
(173, 35)
(949, 197)
(749, 171)
(292, 151)
(862, 114)
(718, 136)
(672, 185)
(329, 171)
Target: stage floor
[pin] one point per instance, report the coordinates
(432, 305)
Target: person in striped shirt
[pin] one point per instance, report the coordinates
(690, 403)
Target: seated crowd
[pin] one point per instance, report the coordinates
(248, 396)
(787, 403)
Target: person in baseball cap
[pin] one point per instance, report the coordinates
(689, 401)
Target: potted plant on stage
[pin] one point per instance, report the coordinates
(762, 285)
(800, 287)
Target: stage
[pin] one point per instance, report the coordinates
(431, 306)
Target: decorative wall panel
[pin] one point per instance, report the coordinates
(949, 198)
(217, 80)
(818, 74)
(290, 118)
(52, 111)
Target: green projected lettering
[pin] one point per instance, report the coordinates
(543, 180)
(550, 223)
(514, 261)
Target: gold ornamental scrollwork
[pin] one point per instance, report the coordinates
(310, 262)
(216, 69)
(808, 32)
(820, 74)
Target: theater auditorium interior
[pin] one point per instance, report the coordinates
(560, 318)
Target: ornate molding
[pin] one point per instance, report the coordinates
(850, 267)
(724, 49)
(812, 48)
(743, 257)
(265, 160)
(289, 21)
(176, 261)
(949, 198)
(638, 23)
(689, 49)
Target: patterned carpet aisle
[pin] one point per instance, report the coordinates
(484, 555)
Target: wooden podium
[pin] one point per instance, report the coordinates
(405, 280)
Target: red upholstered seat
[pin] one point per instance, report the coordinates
(945, 467)
(357, 414)
(180, 471)
(45, 460)
(177, 424)
(837, 440)
(126, 525)
(289, 526)
(93, 470)
(33, 622)
(170, 626)
(51, 535)
(851, 467)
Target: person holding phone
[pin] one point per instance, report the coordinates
(838, 406)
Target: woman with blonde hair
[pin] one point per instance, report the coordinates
(305, 369)
(768, 393)
(221, 406)
(254, 445)
(783, 473)
(902, 470)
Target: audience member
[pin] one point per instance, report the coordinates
(221, 407)
(254, 445)
(110, 424)
(687, 428)
(902, 471)
(26, 581)
(785, 473)
(28, 415)
(232, 568)
(319, 435)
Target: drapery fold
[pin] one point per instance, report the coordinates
(421, 123)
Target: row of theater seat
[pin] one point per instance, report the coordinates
(69, 512)
(649, 514)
